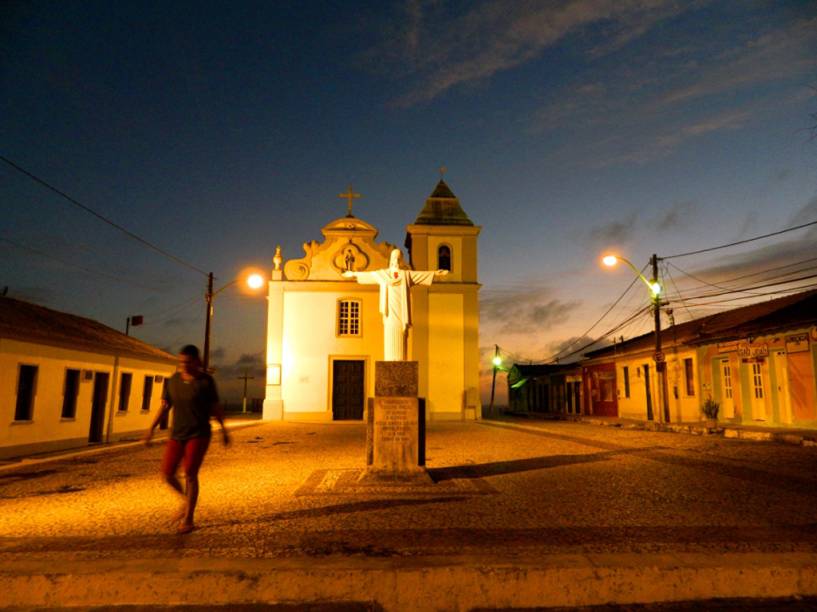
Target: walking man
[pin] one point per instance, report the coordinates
(192, 394)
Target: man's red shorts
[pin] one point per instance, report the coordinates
(192, 451)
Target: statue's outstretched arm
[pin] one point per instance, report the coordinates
(364, 278)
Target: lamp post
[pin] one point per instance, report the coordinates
(497, 362)
(254, 281)
(655, 289)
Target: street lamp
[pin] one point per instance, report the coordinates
(497, 363)
(253, 280)
(655, 290)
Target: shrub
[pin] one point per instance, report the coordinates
(710, 408)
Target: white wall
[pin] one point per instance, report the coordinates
(47, 426)
(310, 342)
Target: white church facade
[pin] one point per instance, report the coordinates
(324, 331)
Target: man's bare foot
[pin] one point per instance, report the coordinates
(185, 528)
(179, 516)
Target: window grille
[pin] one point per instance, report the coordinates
(349, 318)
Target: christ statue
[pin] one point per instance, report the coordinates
(395, 300)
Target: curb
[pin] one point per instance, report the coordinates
(158, 438)
(796, 439)
(422, 583)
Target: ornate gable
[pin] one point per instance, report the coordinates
(349, 244)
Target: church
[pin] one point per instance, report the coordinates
(325, 333)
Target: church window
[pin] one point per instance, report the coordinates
(26, 389)
(444, 257)
(348, 317)
(124, 391)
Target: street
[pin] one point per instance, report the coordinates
(504, 489)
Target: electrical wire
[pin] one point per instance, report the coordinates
(599, 320)
(100, 273)
(731, 244)
(760, 286)
(91, 211)
(700, 280)
(638, 313)
(744, 297)
(680, 299)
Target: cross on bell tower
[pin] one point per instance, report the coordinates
(350, 196)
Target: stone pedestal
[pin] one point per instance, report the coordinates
(395, 426)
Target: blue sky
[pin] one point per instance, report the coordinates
(568, 128)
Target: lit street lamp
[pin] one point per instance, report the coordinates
(497, 363)
(253, 280)
(655, 290)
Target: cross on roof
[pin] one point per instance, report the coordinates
(443, 170)
(351, 196)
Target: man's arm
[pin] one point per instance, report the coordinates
(163, 410)
(218, 414)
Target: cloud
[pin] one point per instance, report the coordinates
(249, 363)
(615, 232)
(776, 55)
(666, 139)
(677, 216)
(524, 311)
(644, 109)
(437, 51)
(790, 250)
(806, 214)
(564, 348)
(619, 232)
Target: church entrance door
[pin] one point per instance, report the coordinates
(347, 390)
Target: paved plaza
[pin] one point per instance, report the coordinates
(559, 513)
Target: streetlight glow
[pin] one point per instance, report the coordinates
(255, 281)
(609, 260)
(497, 361)
(655, 288)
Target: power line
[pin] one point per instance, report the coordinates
(599, 320)
(763, 286)
(731, 244)
(700, 280)
(107, 275)
(91, 211)
(639, 312)
(745, 297)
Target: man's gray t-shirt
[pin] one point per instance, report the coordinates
(192, 403)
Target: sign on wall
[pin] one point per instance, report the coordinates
(797, 343)
(746, 350)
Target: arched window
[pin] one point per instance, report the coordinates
(444, 257)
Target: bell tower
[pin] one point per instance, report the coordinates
(445, 334)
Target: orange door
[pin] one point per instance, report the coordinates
(801, 387)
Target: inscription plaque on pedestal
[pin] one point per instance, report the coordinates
(395, 425)
(395, 434)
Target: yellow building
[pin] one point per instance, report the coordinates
(67, 381)
(324, 332)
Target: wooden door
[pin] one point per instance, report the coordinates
(781, 371)
(648, 390)
(757, 386)
(98, 403)
(347, 390)
(603, 390)
(727, 391)
(801, 384)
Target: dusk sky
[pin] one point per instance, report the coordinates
(568, 128)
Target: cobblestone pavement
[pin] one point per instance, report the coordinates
(502, 487)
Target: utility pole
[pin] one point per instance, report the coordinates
(209, 299)
(245, 378)
(660, 361)
(135, 320)
(493, 380)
